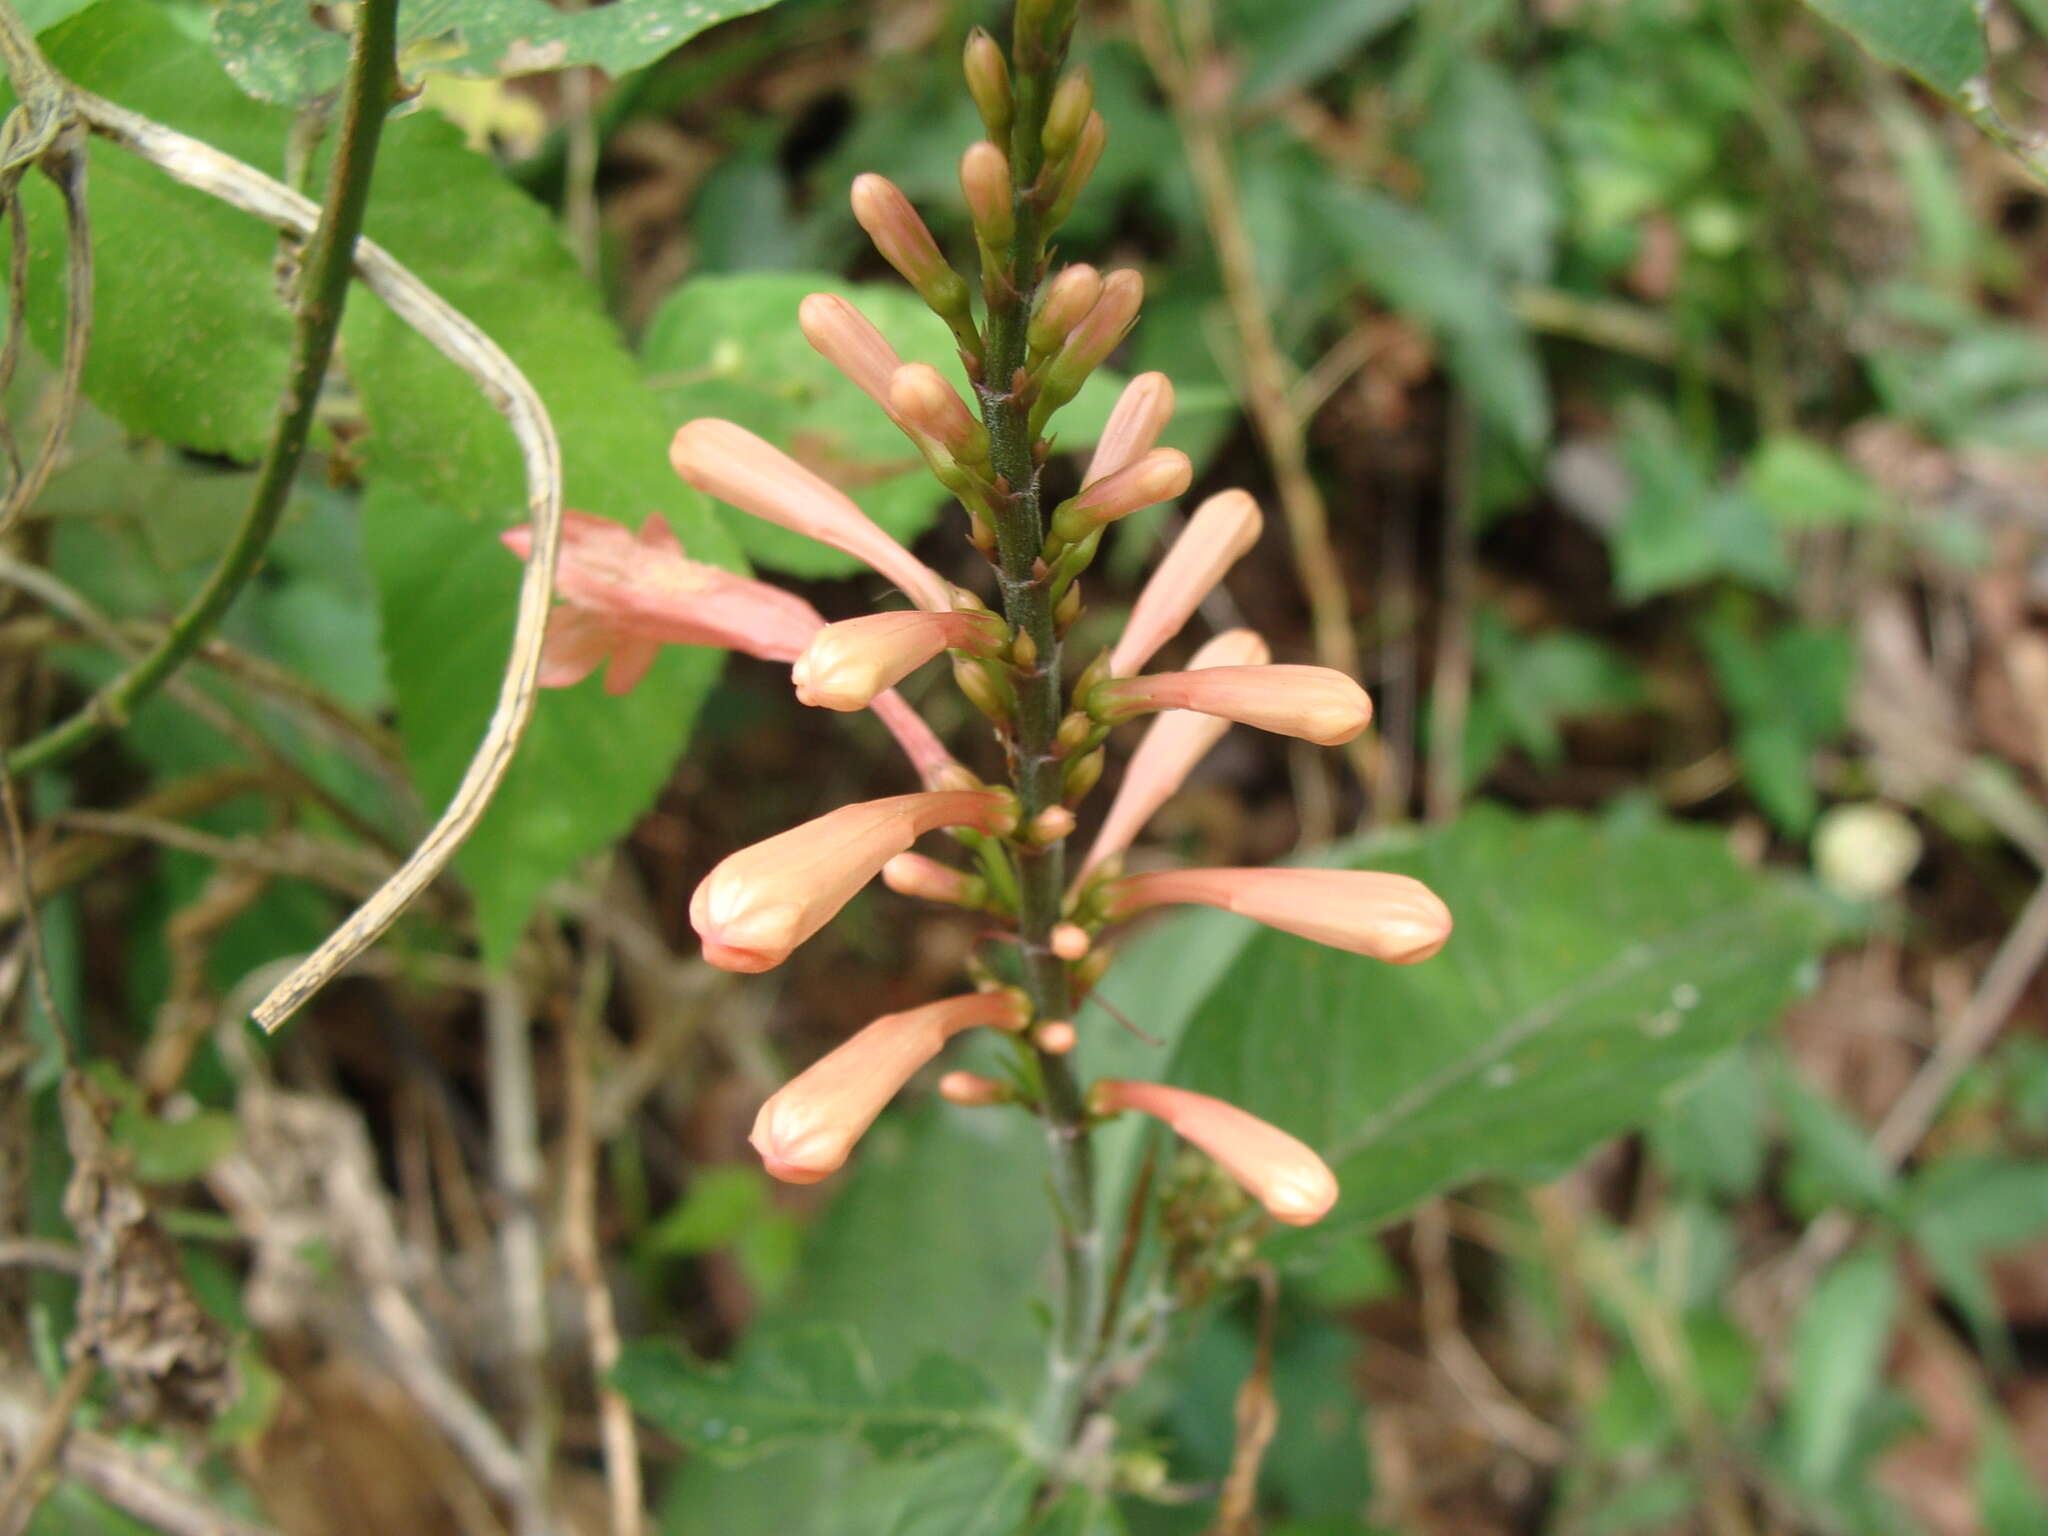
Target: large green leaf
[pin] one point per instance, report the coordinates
(1941, 41)
(1596, 966)
(728, 345)
(1838, 1351)
(446, 480)
(1411, 263)
(1491, 181)
(276, 49)
(804, 1384)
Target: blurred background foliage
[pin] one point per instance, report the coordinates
(1675, 376)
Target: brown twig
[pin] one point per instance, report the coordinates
(1258, 1420)
(1450, 685)
(25, 1489)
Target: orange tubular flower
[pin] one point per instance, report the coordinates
(1153, 477)
(848, 663)
(1175, 742)
(1279, 1172)
(1313, 703)
(848, 340)
(1215, 539)
(1388, 917)
(760, 903)
(1141, 414)
(727, 461)
(805, 1131)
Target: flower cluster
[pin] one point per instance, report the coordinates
(625, 595)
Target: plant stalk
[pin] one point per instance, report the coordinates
(1035, 765)
(323, 291)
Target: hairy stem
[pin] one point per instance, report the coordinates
(323, 290)
(1027, 602)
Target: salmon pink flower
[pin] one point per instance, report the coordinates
(806, 1129)
(1276, 1170)
(880, 208)
(971, 1090)
(1157, 476)
(760, 903)
(848, 663)
(730, 463)
(848, 340)
(912, 874)
(1063, 304)
(1176, 741)
(927, 407)
(1141, 414)
(1388, 917)
(1216, 537)
(1314, 703)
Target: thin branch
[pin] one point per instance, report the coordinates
(323, 293)
(516, 1162)
(1450, 689)
(25, 1489)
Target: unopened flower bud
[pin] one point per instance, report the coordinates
(1087, 155)
(848, 663)
(1088, 972)
(1088, 345)
(1141, 414)
(847, 340)
(982, 689)
(1055, 1038)
(907, 245)
(1074, 729)
(1050, 825)
(1070, 942)
(985, 183)
(1063, 304)
(912, 874)
(1314, 704)
(806, 1129)
(1174, 742)
(1082, 775)
(1222, 529)
(1067, 609)
(1160, 475)
(1068, 113)
(727, 461)
(970, 1090)
(988, 82)
(1275, 1169)
(929, 407)
(1024, 651)
(1387, 917)
(758, 904)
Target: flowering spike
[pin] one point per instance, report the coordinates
(1141, 414)
(912, 874)
(970, 1090)
(928, 407)
(760, 903)
(848, 340)
(727, 461)
(907, 245)
(1387, 917)
(848, 663)
(1279, 1172)
(985, 183)
(1158, 476)
(806, 1129)
(1216, 537)
(1063, 304)
(1175, 742)
(1314, 703)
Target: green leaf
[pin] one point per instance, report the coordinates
(1412, 264)
(1491, 182)
(1711, 1135)
(1938, 40)
(1287, 46)
(189, 335)
(2009, 1499)
(276, 49)
(977, 1490)
(1833, 1160)
(1595, 967)
(1789, 693)
(1805, 484)
(1532, 684)
(1082, 1512)
(1680, 528)
(728, 345)
(1838, 1349)
(801, 1384)
(446, 479)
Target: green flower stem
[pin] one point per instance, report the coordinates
(1036, 765)
(323, 290)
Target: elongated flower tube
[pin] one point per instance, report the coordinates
(1215, 539)
(1141, 414)
(1157, 476)
(725, 460)
(1279, 1172)
(912, 874)
(1314, 703)
(806, 1129)
(1175, 741)
(936, 767)
(926, 406)
(758, 904)
(848, 663)
(1388, 917)
(848, 340)
(1063, 304)
(881, 209)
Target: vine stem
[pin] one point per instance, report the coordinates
(1038, 49)
(323, 292)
